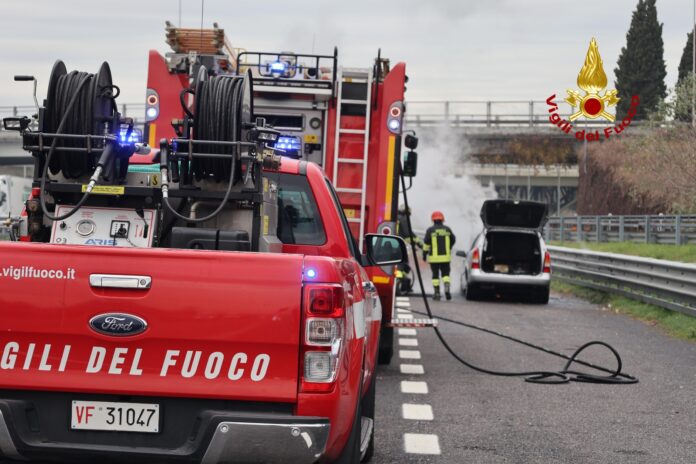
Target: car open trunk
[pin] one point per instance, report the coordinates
(511, 252)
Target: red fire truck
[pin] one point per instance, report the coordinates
(347, 120)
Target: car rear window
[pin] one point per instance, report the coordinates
(299, 221)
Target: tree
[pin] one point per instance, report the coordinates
(641, 68)
(687, 57)
(683, 90)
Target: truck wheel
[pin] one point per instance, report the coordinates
(386, 345)
(351, 452)
(368, 411)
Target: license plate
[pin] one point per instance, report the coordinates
(113, 416)
(501, 268)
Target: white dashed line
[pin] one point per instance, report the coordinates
(403, 299)
(420, 443)
(412, 369)
(405, 316)
(405, 331)
(417, 412)
(403, 304)
(409, 354)
(418, 388)
(403, 311)
(408, 341)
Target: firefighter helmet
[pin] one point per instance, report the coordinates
(437, 216)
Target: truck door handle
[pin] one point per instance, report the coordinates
(120, 281)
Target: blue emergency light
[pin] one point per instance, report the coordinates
(289, 145)
(277, 68)
(135, 136)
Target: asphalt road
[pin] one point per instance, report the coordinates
(468, 417)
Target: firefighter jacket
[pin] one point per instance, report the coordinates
(438, 243)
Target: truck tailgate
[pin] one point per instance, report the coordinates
(218, 324)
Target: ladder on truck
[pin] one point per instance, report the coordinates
(354, 76)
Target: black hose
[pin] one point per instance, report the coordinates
(217, 118)
(71, 88)
(564, 375)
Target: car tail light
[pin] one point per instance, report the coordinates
(547, 262)
(475, 259)
(322, 341)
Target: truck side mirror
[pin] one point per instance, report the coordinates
(410, 163)
(383, 250)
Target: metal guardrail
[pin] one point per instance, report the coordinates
(661, 229)
(668, 284)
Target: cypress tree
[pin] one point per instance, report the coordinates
(687, 57)
(641, 68)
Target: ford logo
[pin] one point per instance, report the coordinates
(118, 324)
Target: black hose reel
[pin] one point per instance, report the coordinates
(88, 124)
(222, 112)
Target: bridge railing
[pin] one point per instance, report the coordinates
(486, 113)
(661, 229)
(132, 110)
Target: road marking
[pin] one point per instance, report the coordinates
(419, 388)
(412, 369)
(409, 354)
(403, 299)
(421, 443)
(417, 411)
(405, 316)
(408, 341)
(405, 331)
(403, 304)
(403, 311)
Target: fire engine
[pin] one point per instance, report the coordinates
(347, 120)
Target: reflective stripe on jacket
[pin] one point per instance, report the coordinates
(438, 243)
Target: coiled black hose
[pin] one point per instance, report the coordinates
(564, 375)
(70, 90)
(217, 118)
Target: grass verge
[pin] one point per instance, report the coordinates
(683, 253)
(672, 323)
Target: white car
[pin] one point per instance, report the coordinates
(510, 252)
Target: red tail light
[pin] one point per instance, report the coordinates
(475, 259)
(322, 338)
(547, 263)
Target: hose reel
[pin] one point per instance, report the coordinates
(93, 113)
(222, 112)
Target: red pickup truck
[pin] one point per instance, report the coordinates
(143, 355)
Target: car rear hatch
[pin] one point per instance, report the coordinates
(214, 324)
(514, 214)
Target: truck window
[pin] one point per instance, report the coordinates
(299, 222)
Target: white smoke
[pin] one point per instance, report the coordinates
(444, 182)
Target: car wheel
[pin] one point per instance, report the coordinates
(472, 292)
(542, 295)
(386, 345)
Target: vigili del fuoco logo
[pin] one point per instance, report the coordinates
(594, 103)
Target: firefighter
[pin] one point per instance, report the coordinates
(437, 250)
(404, 282)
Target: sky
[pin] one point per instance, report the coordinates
(453, 49)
